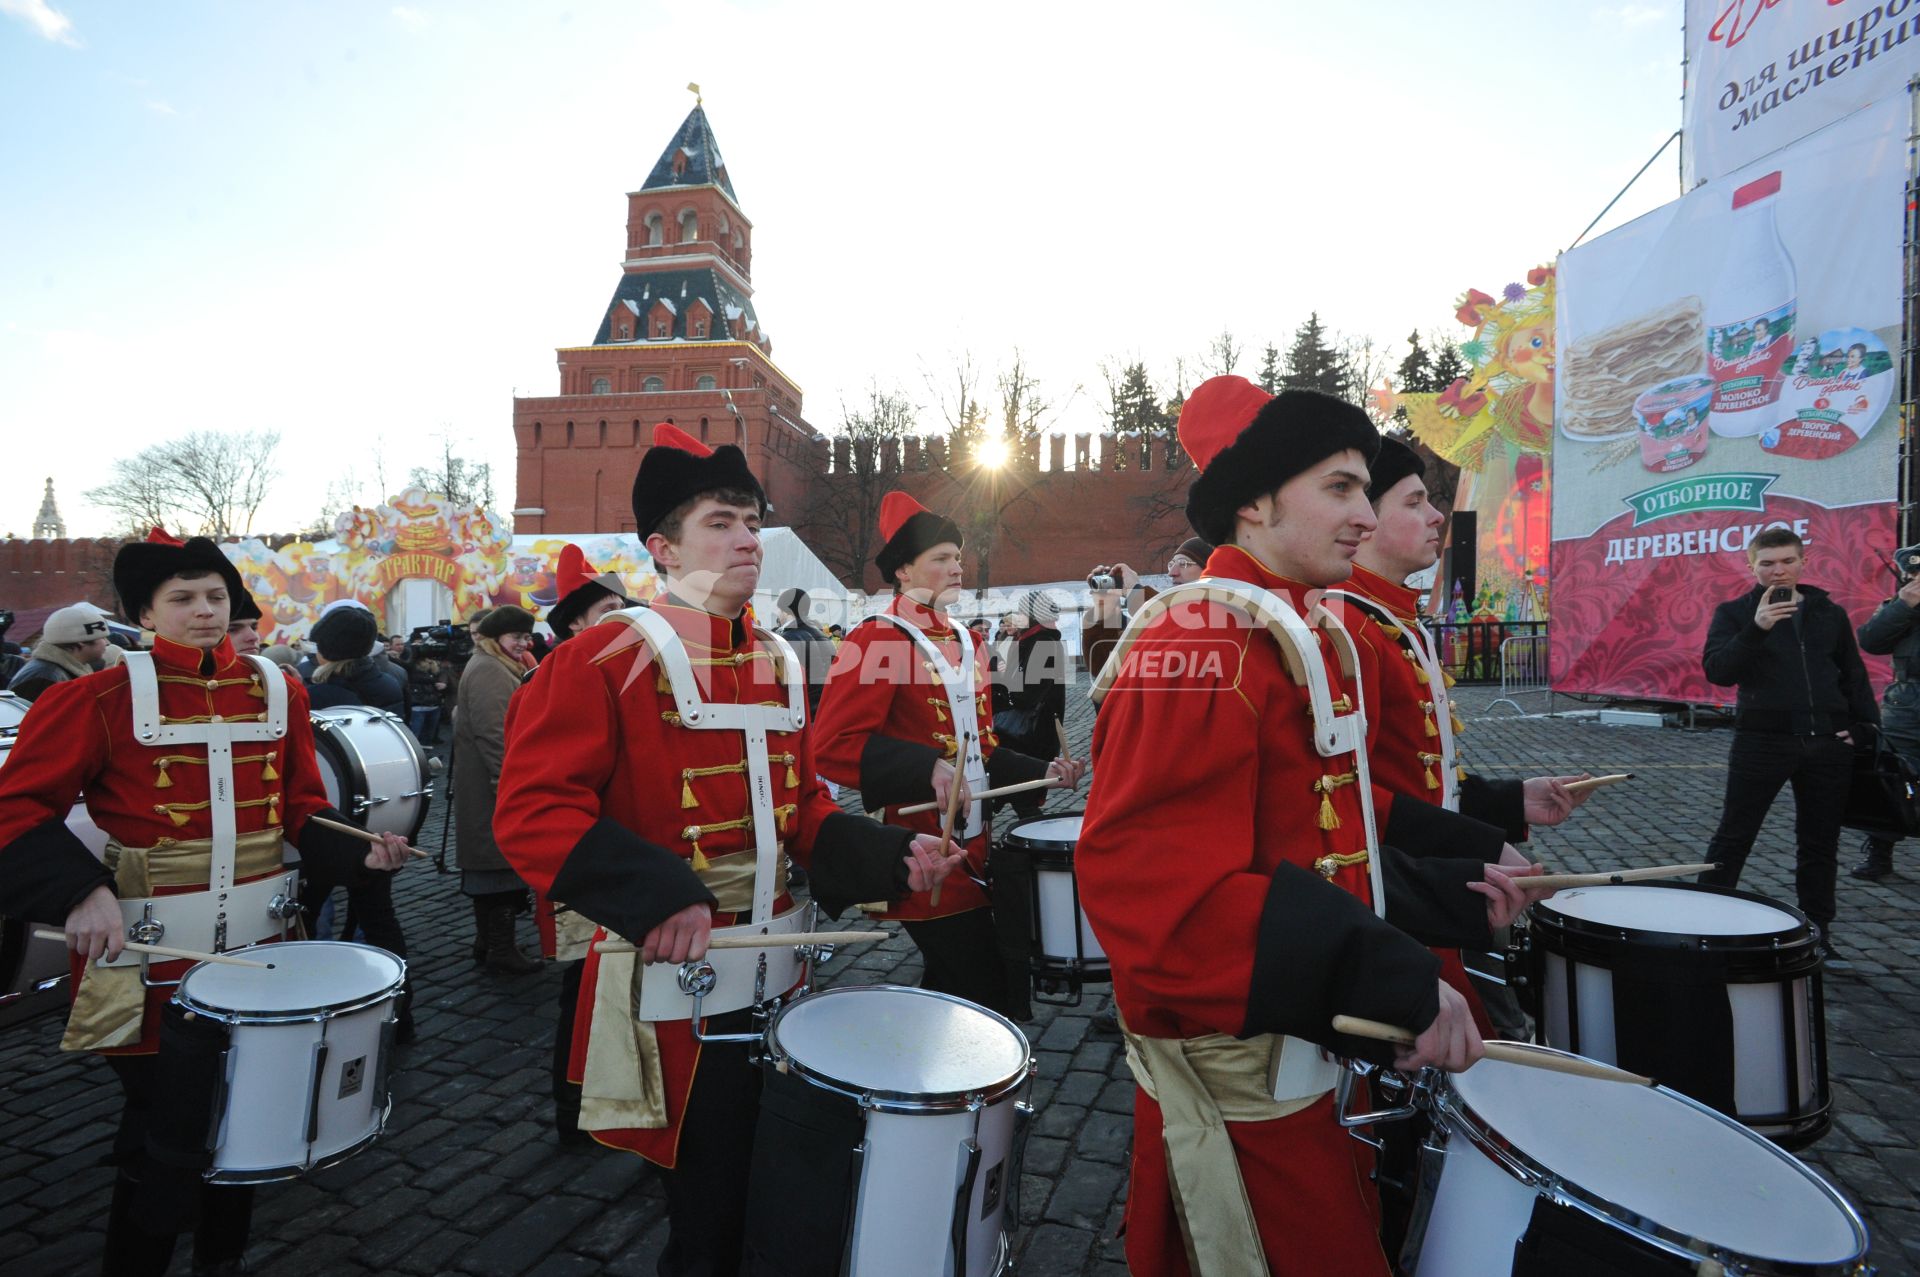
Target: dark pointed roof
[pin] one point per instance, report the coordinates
(679, 289)
(698, 156)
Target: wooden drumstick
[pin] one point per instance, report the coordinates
(1597, 782)
(1060, 730)
(788, 941)
(1505, 1052)
(362, 834)
(953, 810)
(165, 951)
(1560, 882)
(1045, 782)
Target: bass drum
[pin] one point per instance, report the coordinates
(373, 768)
(29, 966)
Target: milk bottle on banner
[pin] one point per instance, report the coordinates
(1750, 315)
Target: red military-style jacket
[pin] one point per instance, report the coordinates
(885, 721)
(78, 738)
(1403, 733)
(607, 802)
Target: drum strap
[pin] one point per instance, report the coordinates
(1413, 637)
(961, 707)
(1201, 1084)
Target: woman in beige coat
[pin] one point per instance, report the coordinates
(479, 743)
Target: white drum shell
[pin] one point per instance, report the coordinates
(916, 1150)
(278, 1078)
(1060, 914)
(393, 797)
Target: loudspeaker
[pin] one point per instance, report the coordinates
(1461, 551)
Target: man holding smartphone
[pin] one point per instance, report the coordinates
(1789, 649)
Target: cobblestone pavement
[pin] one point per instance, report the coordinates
(470, 1179)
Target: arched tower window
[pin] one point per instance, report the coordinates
(656, 230)
(602, 386)
(653, 386)
(689, 226)
(705, 382)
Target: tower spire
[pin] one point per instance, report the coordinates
(48, 525)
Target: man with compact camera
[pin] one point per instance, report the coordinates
(1894, 630)
(1803, 689)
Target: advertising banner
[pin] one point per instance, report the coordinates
(1764, 73)
(1726, 364)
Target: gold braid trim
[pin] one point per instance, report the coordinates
(177, 812)
(1327, 866)
(1324, 786)
(939, 704)
(687, 800)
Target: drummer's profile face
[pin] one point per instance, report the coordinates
(591, 617)
(1408, 538)
(191, 610)
(1311, 528)
(246, 639)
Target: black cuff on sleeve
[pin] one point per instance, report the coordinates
(1500, 803)
(856, 860)
(329, 858)
(1427, 829)
(1011, 767)
(1320, 952)
(1428, 899)
(45, 872)
(628, 885)
(894, 772)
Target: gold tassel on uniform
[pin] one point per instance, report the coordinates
(1324, 786)
(1457, 725)
(793, 777)
(686, 790)
(165, 781)
(699, 857)
(1427, 722)
(1427, 761)
(939, 708)
(267, 771)
(661, 683)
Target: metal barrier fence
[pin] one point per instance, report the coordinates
(1523, 668)
(1471, 650)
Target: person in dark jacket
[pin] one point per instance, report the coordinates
(72, 643)
(810, 642)
(1894, 630)
(1803, 691)
(346, 673)
(1036, 682)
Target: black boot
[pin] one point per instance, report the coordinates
(502, 955)
(1878, 862)
(479, 929)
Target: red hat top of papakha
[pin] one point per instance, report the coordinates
(1247, 443)
(909, 530)
(157, 535)
(678, 468)
(580, 585)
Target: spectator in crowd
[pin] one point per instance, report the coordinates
(1036, 682)
(479, 745)
(282, 655)
(810, 642)
(72, 644)
(1803, 690)
(346, 673)
(1894, 630)
(426, 693)
(12, 655)
(397, 650)
(243, 625)
(1110, 608)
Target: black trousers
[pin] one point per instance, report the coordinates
(369, 910)
(962, 956)
(1820, 769)
(707, 1188)
(153, 1204)
(566, 1094)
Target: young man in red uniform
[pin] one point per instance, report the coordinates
(616, 800)
(586, 594)
(1225, 866)
(906, 717)
(158, 805)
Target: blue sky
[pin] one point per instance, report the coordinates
(365, 224)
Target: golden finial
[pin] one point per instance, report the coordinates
(695, 90)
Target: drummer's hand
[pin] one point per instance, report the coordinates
(1546, 800)
(95, 928)
(1507, 893)
(944, 779)
(1068, 771)
(390, 855)
(681, 938)
(1512, 857)
(926, 867)
(1451, 1042)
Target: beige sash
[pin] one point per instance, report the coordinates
(1201, 1084)
(110, 1004)
(624, 1086)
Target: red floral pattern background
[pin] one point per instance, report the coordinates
(1637, 628)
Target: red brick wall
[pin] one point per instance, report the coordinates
(56, 573)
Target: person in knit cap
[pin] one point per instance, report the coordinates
(658, 775)
(586, 594)
(199, 765)
(346, 673)
(72, 645)
(1231, 956)
(905, 719)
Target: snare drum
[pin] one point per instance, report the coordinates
(891, 1126)
(373, 768)
(1714, 992)
(1534, 1173)
(1063, 953)
(301, 1081)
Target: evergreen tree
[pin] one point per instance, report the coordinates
(1448, 367)
(1134, 411)
(1312, 362)
(1415, 376)
(1270, 369)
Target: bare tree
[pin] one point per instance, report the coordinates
(1366, 365)
(209, 482)
(1222, 355)
(458, 479)
(844, 507)
(956, 396)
